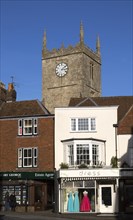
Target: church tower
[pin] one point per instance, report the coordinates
(70, 72)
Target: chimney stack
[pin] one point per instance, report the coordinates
(7, 95)
(2, 92)
(11, 93)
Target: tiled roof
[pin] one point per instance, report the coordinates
(22, 108)
(124, 103)
(126, 124)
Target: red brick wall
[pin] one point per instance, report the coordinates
(10, 142)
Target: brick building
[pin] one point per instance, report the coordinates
(26, 154)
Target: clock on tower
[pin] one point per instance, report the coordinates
(70, 72)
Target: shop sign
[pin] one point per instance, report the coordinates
(27, 175)
(90, 173)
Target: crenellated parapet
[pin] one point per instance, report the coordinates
(78, 48)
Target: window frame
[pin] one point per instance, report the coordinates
(88, 156)
(22, 158)
(78, 124)
(22, 126)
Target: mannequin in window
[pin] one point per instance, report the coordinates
(70, 202)
(85, 205)
(76, 202)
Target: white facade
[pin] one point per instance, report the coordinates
(88, 136)
(103, 135)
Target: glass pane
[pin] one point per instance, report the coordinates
(106, 196)
(73, 124)
(93, 124)
(83, 154)
(78, 183)
(68, 184)
(129, 196)
(20, 153)
(29, 152)
(25, 152)
(83, 124)
(89, 183)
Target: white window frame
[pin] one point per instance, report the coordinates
(35, 156)
(23, 126)
(35, 124)
(95, 155)
(82, 157)
(27, 158)
(99, 157)
(20, 127)
(22, 157)
(27, 126)
(71, 154)
(83, 124)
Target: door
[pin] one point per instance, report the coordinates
(38, 197)
(106, 198)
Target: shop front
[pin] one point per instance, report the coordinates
(33, 190)
(88, 191)
(126, 190)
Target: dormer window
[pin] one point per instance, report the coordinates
(27, 126)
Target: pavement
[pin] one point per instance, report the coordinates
(73, 216)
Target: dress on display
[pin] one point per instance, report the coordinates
(70, 202)
(85, 203)
(76, 202)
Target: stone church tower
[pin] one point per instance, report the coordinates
(70, 72)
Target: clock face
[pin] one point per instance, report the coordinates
(61, 69)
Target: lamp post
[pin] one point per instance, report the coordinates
(116, 149)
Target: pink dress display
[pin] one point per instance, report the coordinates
(85, 205)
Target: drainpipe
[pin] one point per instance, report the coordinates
(116, 148)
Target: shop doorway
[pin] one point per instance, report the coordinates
(106, 198)
(38, 198)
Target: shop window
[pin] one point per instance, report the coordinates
(27, 126)
(78, 184)
(18, 191)
(89, 183)
(129, 196)
(83, 124)
(74, 196)
(27, 157)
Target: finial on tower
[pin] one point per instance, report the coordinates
(98, 46)
(81, 33)
(44, 41)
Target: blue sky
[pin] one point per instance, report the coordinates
(22, 26)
